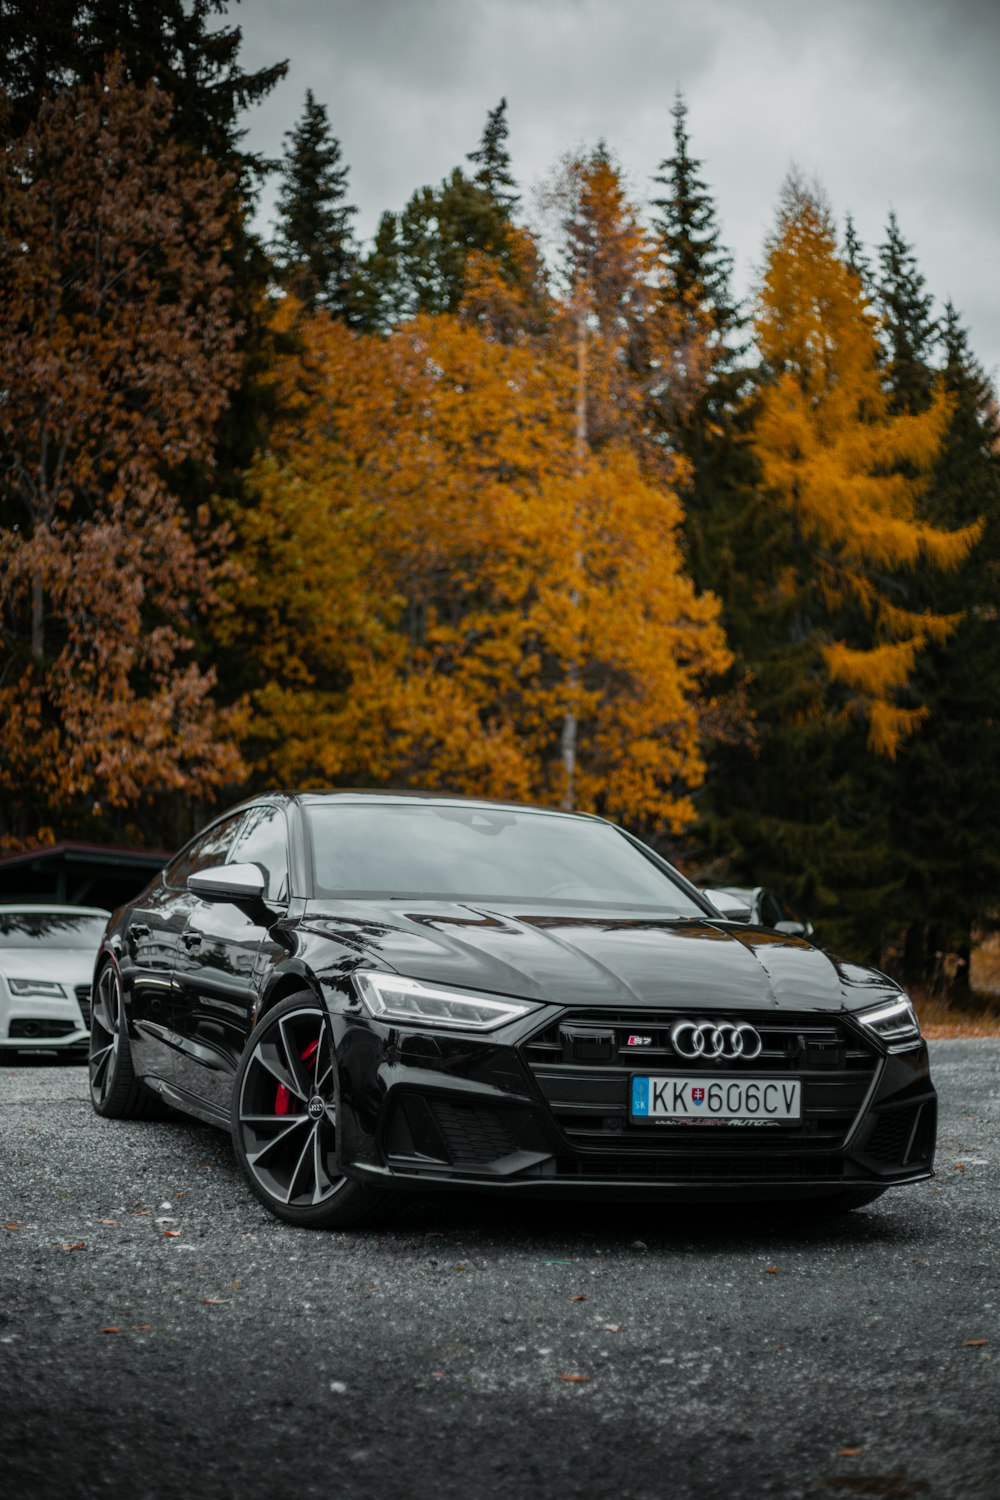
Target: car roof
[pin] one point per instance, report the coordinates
(361, 795)
(17, 909)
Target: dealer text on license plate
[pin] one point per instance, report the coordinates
(674, 1098)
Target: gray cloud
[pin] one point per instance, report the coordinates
(890, 103)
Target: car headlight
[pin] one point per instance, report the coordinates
(894, 1022)
(46, 987)
(390, 997)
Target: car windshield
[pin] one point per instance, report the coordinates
(50, 929)
(484, 854)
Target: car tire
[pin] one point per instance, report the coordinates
(115, 1091)
(284, 1122)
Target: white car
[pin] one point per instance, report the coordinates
(47, 958)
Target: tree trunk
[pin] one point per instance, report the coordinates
(37, 620)
(570, 727)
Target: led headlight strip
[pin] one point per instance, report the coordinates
(894, 1021)
(391, 997)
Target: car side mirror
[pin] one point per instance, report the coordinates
(795, 929)
(728, 906)
(238, 883)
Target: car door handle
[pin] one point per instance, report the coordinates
(191, 939)
(138, 930)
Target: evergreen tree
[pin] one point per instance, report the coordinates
(697, 265)
(946, 798)
(698, 408)
(909, 329)
(313, 245)
(52, 46)
(856, 258)
(421, 258)
(493, 161)
(374, 289)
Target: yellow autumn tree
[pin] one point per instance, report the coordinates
(849, 474)
(431, 554)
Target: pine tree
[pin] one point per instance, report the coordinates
(909, 329)
(313, 245)
(856, 257)
(171, 43)
(493, 161)
(697, 265)
(946, 798)
(421, 259)
(699, 410)
(374, 290)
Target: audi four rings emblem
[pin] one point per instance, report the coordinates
(715, 1039)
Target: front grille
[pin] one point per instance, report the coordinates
(582, 1065)
(83, 1000)
(39, 1030)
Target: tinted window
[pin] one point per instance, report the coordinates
(209, 848)
(49, 929)
(482, 853)
(262, 842)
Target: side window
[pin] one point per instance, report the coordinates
(263, 842)
(210, 848)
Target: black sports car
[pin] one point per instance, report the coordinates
(377, 992)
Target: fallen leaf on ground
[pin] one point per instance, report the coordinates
(109, 1221)
(849, 1452)
(142, 1327)
(579, 1297)
(111, 1328)
(182, 1194)
(960, 1166)
(771, 1271)
(80, 1245)
(216, 1301)
(612, 1327)
(139, 1213)
(172, 1234)
(974, 1343)
(12, 1225)
(574, 1379)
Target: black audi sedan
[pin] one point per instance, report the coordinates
(378, 992)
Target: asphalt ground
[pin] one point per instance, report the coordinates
(161, 1336)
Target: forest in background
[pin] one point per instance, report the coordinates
(517, 501)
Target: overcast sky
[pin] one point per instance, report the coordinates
(889, 103)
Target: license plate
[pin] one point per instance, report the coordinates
(676, 1099)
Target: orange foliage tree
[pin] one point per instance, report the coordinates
(848, 473)
(442, 576)
(115, 355)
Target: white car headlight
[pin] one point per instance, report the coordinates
(895, 1021)
(46, 987)
(390, 997)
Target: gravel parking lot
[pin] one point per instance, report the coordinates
(161, 1336)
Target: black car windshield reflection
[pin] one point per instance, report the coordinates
(474, 854)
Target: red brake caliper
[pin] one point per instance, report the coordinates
(284, 1101)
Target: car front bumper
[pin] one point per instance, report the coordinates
(532, 1110)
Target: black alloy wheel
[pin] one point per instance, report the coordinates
(115, 1092)
(285, 1121)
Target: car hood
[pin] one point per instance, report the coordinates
(64, 965)
(595, 958)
